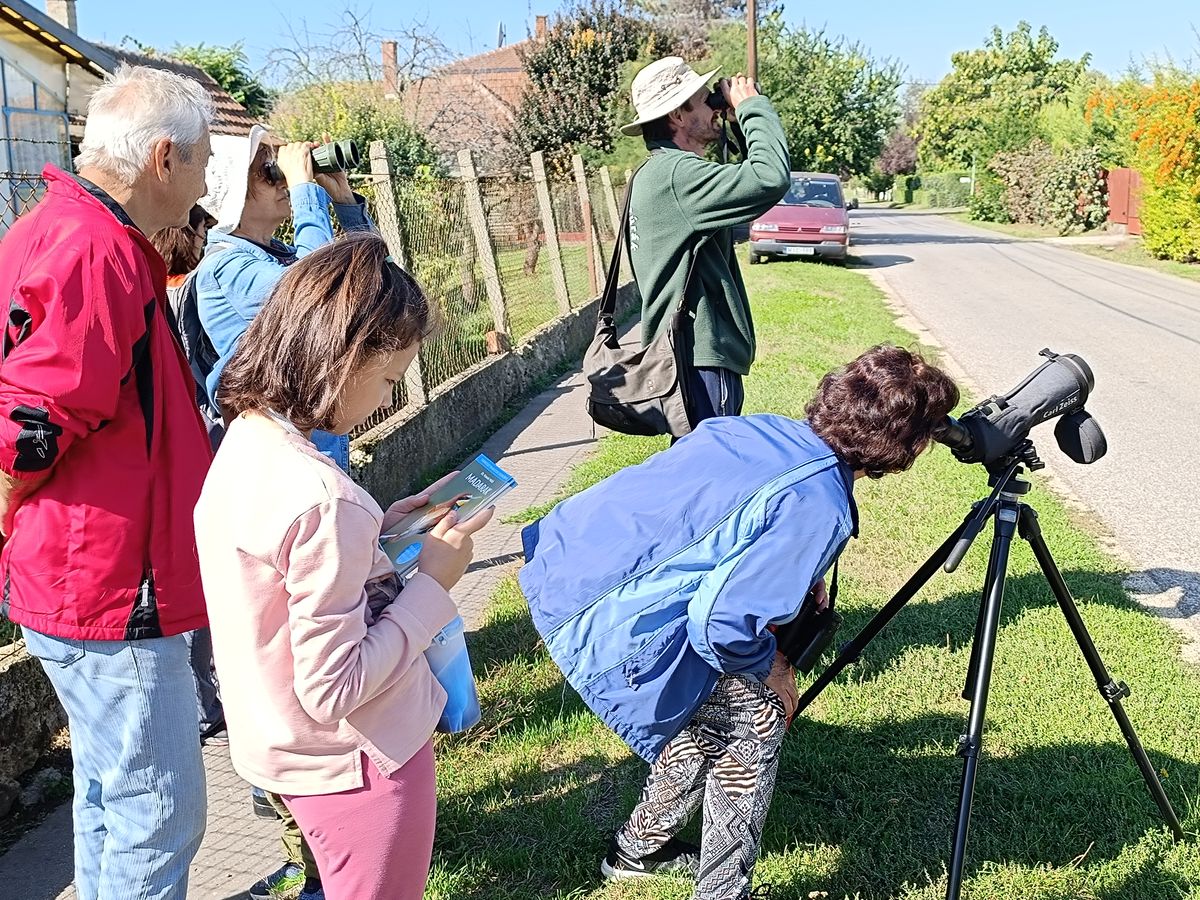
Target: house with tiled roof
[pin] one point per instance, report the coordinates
(471, 103)
(47, 75)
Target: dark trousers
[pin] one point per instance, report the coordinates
(715, 392)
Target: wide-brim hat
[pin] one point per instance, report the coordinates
(228, 175)
(662, 86)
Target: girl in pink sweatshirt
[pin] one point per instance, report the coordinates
(329, 700)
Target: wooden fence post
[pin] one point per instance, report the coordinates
(487, 252)
(610, 198)
(589, 226)
(387, 214)
(550, 227)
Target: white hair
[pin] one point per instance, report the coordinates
(133, 109)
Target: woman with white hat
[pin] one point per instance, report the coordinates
(254, 187)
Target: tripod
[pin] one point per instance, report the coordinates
(1011, 516)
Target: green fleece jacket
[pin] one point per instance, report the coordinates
(678, 198)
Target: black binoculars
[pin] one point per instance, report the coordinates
(716, 98)
(336, 156)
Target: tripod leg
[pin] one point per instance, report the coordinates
(854, 648)
(968, 693)
(1111, 690)
(983, 653)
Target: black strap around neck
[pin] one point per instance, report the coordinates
(608, 299)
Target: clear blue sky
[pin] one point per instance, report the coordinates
(921, 33)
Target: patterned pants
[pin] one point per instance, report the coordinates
(726, 759)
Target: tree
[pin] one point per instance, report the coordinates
(230, 68)
(837, 103)
(574, 77)
(350, 52)
(991, 99)
(356, 111)
(899, 156)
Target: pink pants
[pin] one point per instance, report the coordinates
(375, 842)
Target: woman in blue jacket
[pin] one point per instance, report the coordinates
(660, 614)
(252, 194)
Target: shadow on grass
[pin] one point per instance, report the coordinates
(879, 799)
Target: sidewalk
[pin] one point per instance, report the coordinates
(539, 447)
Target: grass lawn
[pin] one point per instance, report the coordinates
(1020, 231)
(1132, 253)
(868, 784)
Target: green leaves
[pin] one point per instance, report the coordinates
(990, 100)
(230, 68)
(575, 75)
(838, 105)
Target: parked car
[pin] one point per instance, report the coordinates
(811, 220)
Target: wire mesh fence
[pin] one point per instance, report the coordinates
(517, 234)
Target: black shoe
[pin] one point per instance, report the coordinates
(676, 857)
(216, 736)
(262, 806)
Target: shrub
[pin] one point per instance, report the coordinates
(987, 203)
(903, 187)
(944, 189)
(1163, 125)
(1171, 223)
(1065, 190)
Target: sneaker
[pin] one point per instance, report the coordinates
(285, 882)
(262, 806)
(312, 891)
(676, 857)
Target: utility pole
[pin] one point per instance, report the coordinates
(752, 39)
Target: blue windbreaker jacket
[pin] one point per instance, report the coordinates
(650, 585)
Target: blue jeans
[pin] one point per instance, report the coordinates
(139, 779)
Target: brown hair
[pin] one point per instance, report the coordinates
(878, 412)
(330, 312)
(177, 245)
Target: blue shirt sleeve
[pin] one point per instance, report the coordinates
(310, 215)
(354, 216)
(799, 539)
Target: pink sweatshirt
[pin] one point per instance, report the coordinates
(287, 542)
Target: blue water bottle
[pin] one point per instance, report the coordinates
(451, 666)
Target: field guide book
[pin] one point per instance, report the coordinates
(476, 487)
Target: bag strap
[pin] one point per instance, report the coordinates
(608, 299)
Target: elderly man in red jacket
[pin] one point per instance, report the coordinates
(102, 456)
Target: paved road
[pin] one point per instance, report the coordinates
(992, 303)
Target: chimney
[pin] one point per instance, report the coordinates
(63, 12)
(539, 30)
(391, 87)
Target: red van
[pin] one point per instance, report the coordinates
(811, 220)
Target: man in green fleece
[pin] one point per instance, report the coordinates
(683, 209)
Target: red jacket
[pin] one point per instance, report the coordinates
(95, 393)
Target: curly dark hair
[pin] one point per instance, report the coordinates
(878, 412)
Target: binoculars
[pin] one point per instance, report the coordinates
(336, 156)
(716, 99)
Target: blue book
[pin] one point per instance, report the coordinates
(478, 486)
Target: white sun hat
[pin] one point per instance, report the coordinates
(228, 175)
(662, 86)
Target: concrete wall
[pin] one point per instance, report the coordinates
(391, 459)
(30, 717)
